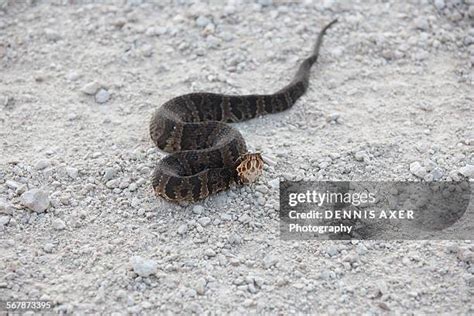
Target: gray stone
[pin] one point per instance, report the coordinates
(72, 172)
(204, 221)
(422, 23)
(52, 35)
(265, 3)
(351, 258)
(42, 164)
(59, 224)
(275, 183)
(102, 96)
(210, 252)
(360, 156)
(327, 275)
(245, 219)
(332, 251)
(467, 171)
(91, 88)
(465, 255)
(270, 260)
(4, 219)
(73, 76)
(333, 117)
(200, 286)
(417, 169)
(198, 209)
(439, 4)
(5, 207)
(48, 247)
(202, 21)
(182, 229)
(143, 267)
(109, 174)
(36, 200)
(437, 173)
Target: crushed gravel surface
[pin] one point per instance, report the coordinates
(391, 98)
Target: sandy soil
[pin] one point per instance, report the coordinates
(78, 83)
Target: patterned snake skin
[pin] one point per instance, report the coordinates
(205, 151)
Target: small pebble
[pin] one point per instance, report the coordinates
(270, 260)
(439, 4)
(204, 221)
(360, 156)
(36, 200)
(182, 229)
(72, 172)
(417, 169)
(467, 171)
(102, 96)
(333, 117)
(200, 286)
(48, 247)
(91, 88)
(4, 219)
(42, 164)
(59, 224)
(198, 209)
(202, 21)
(210, 252)
(143, 267)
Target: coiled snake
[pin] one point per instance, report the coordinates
(208, 155)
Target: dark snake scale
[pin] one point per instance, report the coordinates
(208, 155)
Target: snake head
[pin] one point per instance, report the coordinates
(249, 167)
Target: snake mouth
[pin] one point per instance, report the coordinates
(249, 167)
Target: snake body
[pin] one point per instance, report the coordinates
(205, 151)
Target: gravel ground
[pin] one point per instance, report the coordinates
(391, 98)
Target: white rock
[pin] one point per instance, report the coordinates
(210, 252)
(227, 36)
(332, 251)
(327, 275)
(4, 219)
(59, 224)
(200, 286)
(437, 173)
(102, 96)
(333, 117)
(439, 4)
(204, 221)
(109, 174)
(198, 209)
(143, 267)
(42, 164)
(73, 76)
(417, 169)
(182, 229)
(72, 172)
(202, 21)
(467, 171)
(265, 3)
(269, 260)
(5, 207)
(275, 183)
(422, 23)
(360, 156)
(52, 35)
(48, 247)
(36, 200)
(245, 218)
(91, 88)
(261, 188)
(13, 184)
